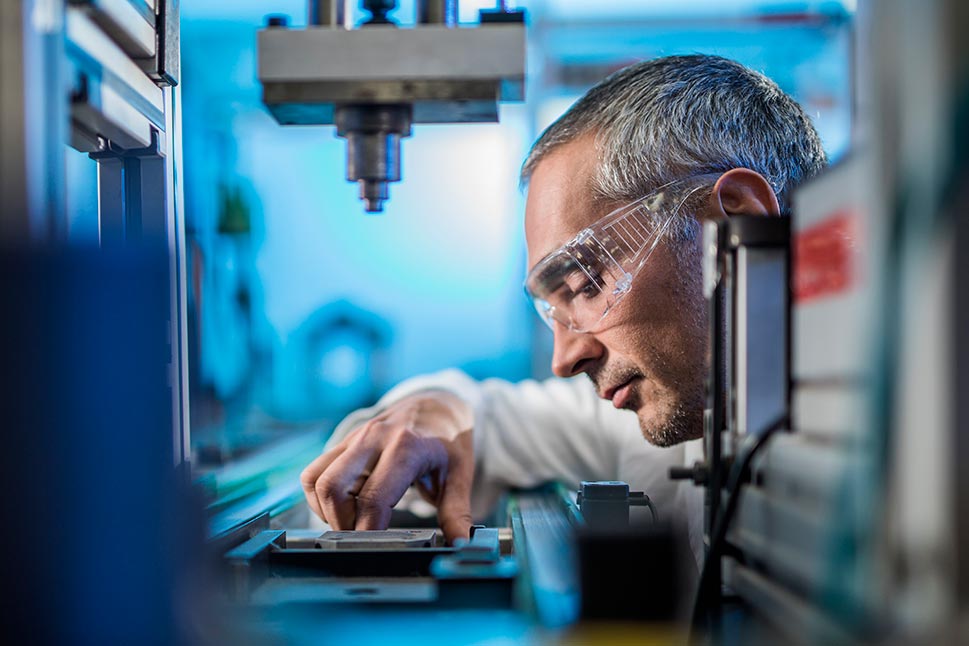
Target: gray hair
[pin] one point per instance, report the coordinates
(669, 118)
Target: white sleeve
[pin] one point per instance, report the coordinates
(533, 432)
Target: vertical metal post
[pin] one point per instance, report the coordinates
(960, 380)
(715, 419)
(175, 219)
(148, 180)
(957, 13)
(140, 203)
(327, 13)
(437, 12)
(111, 202)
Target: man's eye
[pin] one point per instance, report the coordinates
(581, 285)
(589, 290)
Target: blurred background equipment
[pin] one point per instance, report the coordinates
(374, 81)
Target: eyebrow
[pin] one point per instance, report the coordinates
(557, 270)
(551, 253)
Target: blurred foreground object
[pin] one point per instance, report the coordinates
(96, 468)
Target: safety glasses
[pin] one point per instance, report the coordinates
(578, 284)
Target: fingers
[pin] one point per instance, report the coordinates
(407, 458)
(454, 512)
(424, 440)
(338, 486)
(312, 473)
(454, 509)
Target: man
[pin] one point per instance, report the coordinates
(635, 165)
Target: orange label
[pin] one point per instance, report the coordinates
(825, 261)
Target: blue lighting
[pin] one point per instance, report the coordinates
(442, 267)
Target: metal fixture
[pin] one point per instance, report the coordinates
(606, 503)
(375, 81)
(373, 136)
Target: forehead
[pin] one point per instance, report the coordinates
(560, 202)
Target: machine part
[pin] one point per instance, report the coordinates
(225, 534)
(327, 13)
(476, 573)
(447, 75)
(99, 112)
(480, 557)
(242, 558)
(390, 539)
(139, 191)
(606, 503)
(375, 81)
(708, 591)
(360, 562)
(438, 12)
(114, 108)
(745, 269)
(324, 590)
(165, 67)
(373, 134)
(398, 565)
(131, 192)
(378, 11)
(714, 419)
(543, 530)
(698, 473)
(95, 54)
(124, 23)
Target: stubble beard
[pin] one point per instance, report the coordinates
(678, 416)
(677, 419)
(675, 414)
(682, 422)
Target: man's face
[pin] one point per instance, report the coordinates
(648, 354)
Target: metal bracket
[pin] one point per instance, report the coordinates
(167, 63)
(478, 558)
(132, 200)
(251, 555)
(746, 262)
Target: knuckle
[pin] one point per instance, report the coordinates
(370, 504)
(307, 479)
(407, 439)
(326, 488)
(371, 432)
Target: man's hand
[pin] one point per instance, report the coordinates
(424, 439)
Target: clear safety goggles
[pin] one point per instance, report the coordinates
(579, 283)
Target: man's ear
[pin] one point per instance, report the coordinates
(742, 191)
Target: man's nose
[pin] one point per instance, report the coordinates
(573, 352)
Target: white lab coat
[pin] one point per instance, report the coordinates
(533, 432)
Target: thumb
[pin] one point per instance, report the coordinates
(454, 510)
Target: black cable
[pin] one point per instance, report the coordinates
(719, 535)
(652, 509)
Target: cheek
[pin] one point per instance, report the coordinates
(663, 326)
(674, 297)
